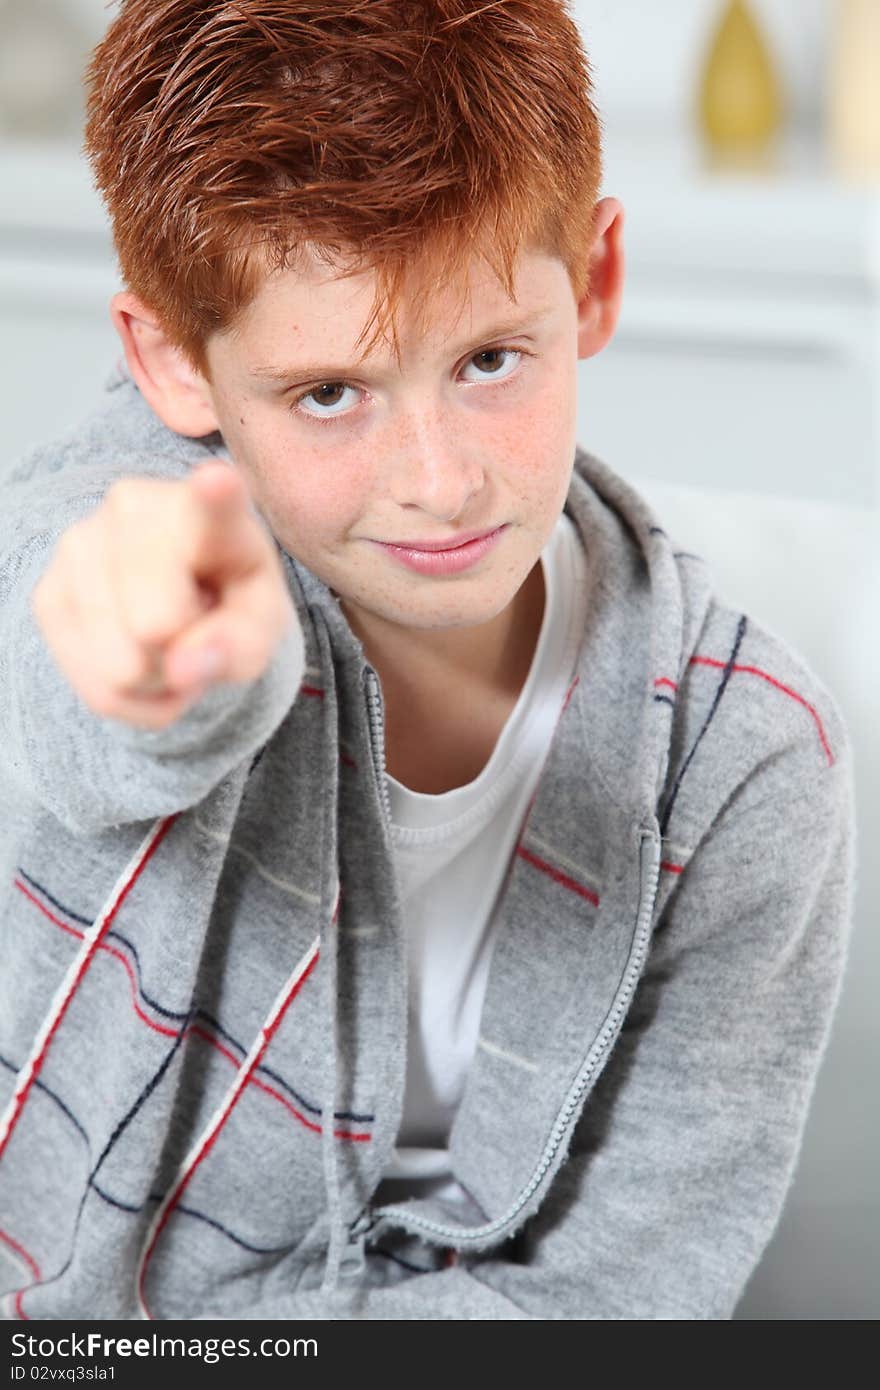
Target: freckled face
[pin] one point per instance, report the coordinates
(474, 430)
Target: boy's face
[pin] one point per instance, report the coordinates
(475, 431)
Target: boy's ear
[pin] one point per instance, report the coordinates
(599, 309)
(177, 392)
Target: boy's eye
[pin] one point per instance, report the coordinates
(331, 394)
(328, 396)
(490, 362)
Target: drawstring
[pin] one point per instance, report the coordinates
(337, 1234)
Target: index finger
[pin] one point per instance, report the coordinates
(225, 542)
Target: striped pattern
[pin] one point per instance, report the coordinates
(189, 1027)
(206, 1141)
(91, 941)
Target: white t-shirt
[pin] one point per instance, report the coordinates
(451, 853)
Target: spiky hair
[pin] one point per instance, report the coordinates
(227, 136)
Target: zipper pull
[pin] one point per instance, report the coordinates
(363, 1224)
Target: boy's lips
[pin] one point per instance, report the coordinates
(452, 543)
(445, 559)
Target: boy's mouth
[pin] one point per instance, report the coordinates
(452, 543)
(444, 558)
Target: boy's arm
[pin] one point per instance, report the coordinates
(681, 1160)
(89, 771)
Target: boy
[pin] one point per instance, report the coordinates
(424, 897)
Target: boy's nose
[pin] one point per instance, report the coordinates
(435, 467)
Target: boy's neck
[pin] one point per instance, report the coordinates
(425, 667)
(448, 694)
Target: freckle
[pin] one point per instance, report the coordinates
(241, 419)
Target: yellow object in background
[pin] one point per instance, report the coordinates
(741, 104)
(853, 95)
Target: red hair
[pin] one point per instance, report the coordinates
(387, 135)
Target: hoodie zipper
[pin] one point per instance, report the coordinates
(649, 854)
(376, 713)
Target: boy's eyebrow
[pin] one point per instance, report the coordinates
(333, 371)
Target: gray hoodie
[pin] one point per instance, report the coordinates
(202, 959)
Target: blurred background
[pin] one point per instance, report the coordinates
(741, 393)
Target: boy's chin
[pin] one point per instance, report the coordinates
(430, 615)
